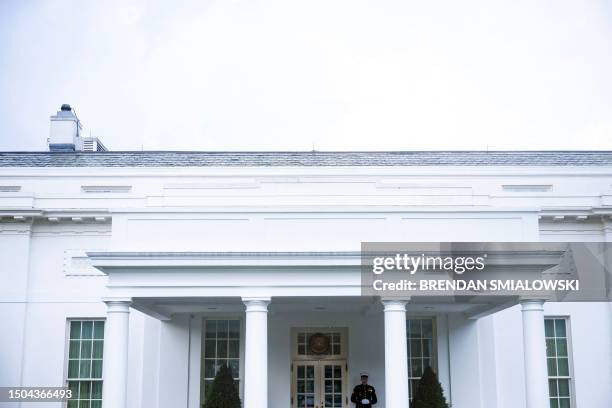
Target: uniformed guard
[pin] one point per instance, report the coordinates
(364, 395)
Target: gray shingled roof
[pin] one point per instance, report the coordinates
(390, 158)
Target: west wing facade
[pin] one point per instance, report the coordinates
(131, 278)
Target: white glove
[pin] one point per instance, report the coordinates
(365, 401)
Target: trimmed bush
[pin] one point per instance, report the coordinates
(429, 392)
(223, 392)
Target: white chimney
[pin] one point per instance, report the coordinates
(65, 130)
(65, 133)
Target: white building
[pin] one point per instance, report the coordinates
(175, 262)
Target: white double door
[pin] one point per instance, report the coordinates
(319, 384)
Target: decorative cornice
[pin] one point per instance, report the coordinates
(575, 214)
(15, 228)
(55, 216)
(548, 255)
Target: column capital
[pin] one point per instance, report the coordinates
(117, 305)
(256, 304)
(394, 305)
(532, 304)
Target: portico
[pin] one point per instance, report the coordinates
(274, 295)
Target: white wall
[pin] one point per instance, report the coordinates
(591, 338)
(37, 299)
(151, 357)
(509, 357)
(312, 231)
(464, 357)
(591, 329)
(14, 272)
(173, 362)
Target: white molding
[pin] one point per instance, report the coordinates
(318, 209)
(312, 171)
(489, 309)
(10, 189)
(77, 263)
(23, 212)
(216, 183)
(81, 216)
(106, 189)
(527, 188)
(548, 256)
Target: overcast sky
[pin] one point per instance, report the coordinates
(285, 75)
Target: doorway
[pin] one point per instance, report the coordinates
(319, 384)
(319, 370)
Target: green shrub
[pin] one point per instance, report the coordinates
(223, 392)
(429, 392)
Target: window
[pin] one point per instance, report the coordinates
(421, 353)
(319, 343)
(558, 361)
(333, 340)
(85, 349)
(221, 347)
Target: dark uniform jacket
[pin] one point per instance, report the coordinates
(364, 391)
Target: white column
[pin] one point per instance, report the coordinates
(116, 332)
(396, 354)
(256, 353)
(534, 345)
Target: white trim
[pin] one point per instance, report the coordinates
(116, 260)
(77, 263)
(106, 189)
(288, 171)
